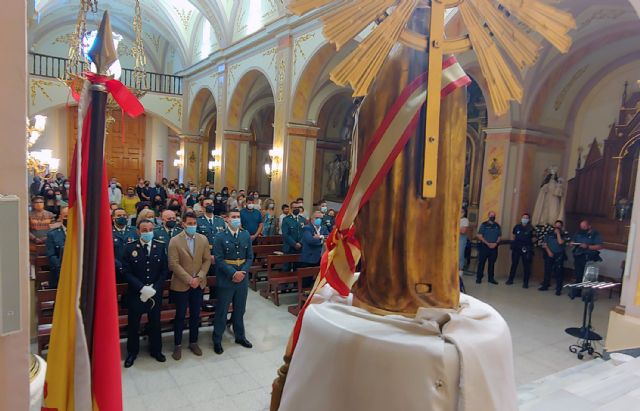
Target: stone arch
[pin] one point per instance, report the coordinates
(314, 78)
(202, 105)
(254, 85)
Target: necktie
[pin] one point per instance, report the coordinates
(210, 221)
(146, 247)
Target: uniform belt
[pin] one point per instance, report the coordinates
(235, 262)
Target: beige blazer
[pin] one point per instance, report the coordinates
(184, 265)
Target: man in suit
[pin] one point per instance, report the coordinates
(56, 238)
(189, 260)
(209, 225)
(144, 266)
(313, 237)
(168, 229)
(122, 235)
(234, 256)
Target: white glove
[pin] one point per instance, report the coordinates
(147, 292)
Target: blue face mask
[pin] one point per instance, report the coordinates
(317, 221)
(191, 229)
(235, 223)
(147, 237)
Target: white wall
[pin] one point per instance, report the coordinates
(156, 147)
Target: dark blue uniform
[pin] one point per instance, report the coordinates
(553, 264)
(521, 248)
(581, 255)
(165, 235)
(142, 268)
(55, 251)
(120, 239)
(232, 254)
(491, 232)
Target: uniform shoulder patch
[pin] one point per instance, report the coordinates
(158, 241)
(131, 241)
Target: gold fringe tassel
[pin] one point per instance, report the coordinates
(362, 66)
(503, 85)
(348, 21)
(300, 7)
(553, 24)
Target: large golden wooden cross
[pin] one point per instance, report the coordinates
(489, 23)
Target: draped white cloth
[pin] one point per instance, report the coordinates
(350, 359)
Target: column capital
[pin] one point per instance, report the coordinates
(302, 130)
(190, 138)
(237, 135)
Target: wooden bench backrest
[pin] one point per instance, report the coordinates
(282, 259)
(41, 261)
(45, 301)
(269, 240)
(260, 251)
(42, 277)
(307, 272)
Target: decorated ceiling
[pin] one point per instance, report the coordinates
(176, 33)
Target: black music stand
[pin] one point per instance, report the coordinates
(585, 333)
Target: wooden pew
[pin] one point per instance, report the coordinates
(260, 254)
(42, 280)
(45, 301)
(303, 292)
(269, 240)
(277, 277)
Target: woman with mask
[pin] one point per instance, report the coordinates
(66, 184)
(225, 193)
(146, 214)
(129, 203)
(191, 198)
(50, 202)
(158, 204)
(242, 202)
(174, 205)
(198, 207)
(60, 200)
(219, 204)
(269, 218)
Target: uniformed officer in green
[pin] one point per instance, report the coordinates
(56, 238)
(292, 226)
(489, 235)
(122, 235)
(209, 225)
(145, 269)
(328, 221)
(168, 229)
(234, 255)
(554, 256)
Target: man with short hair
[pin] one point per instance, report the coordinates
(234, 256)
(522, 238)
(489, 235)
(39, 220)
(115, 194)
(55, 247)
(169, 228)
(328, 221)
(144, 264)
(251, 219)
(122, 235)
(285, 212)
(587, 245)
(313, 238)
(209, 225)
(189, 260)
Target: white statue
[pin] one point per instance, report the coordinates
(549, 204)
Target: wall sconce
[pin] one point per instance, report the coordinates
(179, 162)
(35, 129)
(275, 167)
(40, 161)
(494, 169)
(217, 162)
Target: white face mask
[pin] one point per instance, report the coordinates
(251, 206)
(525, 221)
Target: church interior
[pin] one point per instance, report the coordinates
(258, 97)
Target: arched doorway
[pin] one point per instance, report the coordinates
(251, 116)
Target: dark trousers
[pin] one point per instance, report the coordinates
(516, 254)
(486, 254)
(307, 282)
(135, 310)
(191, 298)
(236, 295)
(579, 262)
(288, 266)
(553, 267)
(54, 276)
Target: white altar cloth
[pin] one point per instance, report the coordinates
(350, 359)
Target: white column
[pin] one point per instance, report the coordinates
(156, 147)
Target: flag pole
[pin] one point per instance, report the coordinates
(102, 54)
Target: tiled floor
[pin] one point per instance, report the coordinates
(240, 379)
